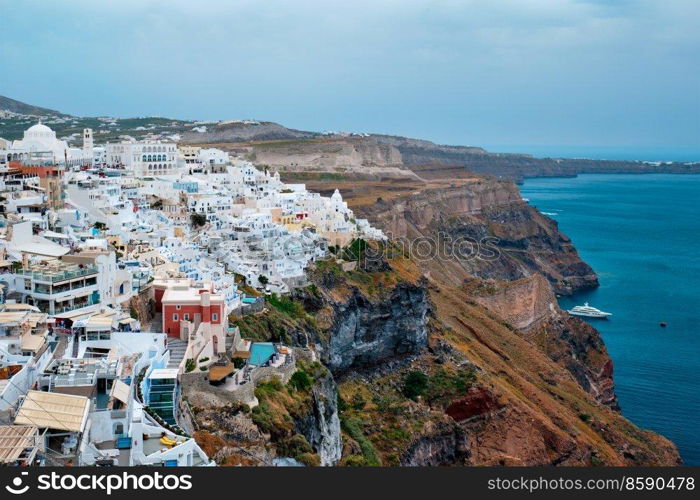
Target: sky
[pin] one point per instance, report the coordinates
(497, 73)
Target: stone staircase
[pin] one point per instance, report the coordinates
(177, 349)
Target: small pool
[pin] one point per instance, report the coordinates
(261, 352)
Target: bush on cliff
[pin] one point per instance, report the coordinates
(415, 384)
(443, 385)
(353, 428)
(300, 381)
(286, 305)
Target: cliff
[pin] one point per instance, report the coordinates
(365, 332)
(443, 161)
(446, 359)
(296, 421)
(531, 308)
(481, 227)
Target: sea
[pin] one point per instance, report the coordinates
(683, 154)
(641, 234)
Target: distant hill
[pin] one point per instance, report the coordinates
(274, 145)
(16, 106)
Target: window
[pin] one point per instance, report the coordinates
(178, 307)
(176, 317)
(215, 317)
(186, 316)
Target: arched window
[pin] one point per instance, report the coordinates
(143, 158)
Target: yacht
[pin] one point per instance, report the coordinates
(588, 312)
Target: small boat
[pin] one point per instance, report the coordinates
(663, 324)
(588, 312)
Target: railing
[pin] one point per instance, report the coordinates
(90, 302)
(118, 414)
(58, 275)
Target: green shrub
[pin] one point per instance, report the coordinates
(355, 251)
(309, 459)
(357, 401)
(300, 381)
(190, 365)
(443, 386)
(294, 446)
(267, 387)
(415, 384)
(286, 305)
(353, 427)
(342, 404)
(238, 362)
(355, 461)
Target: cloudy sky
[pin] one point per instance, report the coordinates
(500, 73)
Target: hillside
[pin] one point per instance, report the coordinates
(289, 150)
(22, 108)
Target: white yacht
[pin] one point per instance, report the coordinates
(588, 312)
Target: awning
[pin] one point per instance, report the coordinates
(15, 440)
(74, 315)
(53, 234)
(29, 342)
(54, 411)
(99, 324)
(120, 391)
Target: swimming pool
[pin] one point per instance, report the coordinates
(261, 352)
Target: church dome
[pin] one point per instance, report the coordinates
(39, 130)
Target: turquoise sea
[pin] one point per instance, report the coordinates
(641, 234)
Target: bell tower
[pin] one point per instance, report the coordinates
(88, 154)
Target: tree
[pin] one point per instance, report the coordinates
(263, 280)
(198, 220)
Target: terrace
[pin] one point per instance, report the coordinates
(54, 273)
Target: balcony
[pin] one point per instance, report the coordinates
(90, 300)
(52, 276)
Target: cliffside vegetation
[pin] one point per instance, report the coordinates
(281, 406)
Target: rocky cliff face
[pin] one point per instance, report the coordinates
(419, 154)
(530, 306)
(321, 425)
(483, 228)
(366, 331)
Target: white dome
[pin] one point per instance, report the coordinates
(39, 128)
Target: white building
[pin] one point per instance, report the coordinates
(41, 139)
(145, 158)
